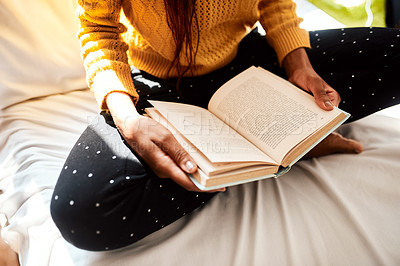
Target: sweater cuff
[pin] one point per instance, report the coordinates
(287, 40)
(108, 81)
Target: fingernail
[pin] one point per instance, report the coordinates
(328, 104)
(221, 189)
(189, 165)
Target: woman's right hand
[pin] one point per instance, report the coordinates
(152, 142)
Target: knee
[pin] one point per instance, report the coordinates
(94, 217)
(87, 227)
(73, 220)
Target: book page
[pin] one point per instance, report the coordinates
(269, 111)
(217, 141)
(209, 168)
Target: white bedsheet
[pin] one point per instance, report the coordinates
(335, 210)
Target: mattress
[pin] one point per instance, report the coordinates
(334, 210)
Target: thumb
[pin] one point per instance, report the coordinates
(322, 99)
(187, 164)
(179, 155)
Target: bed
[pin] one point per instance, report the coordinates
(334, 210)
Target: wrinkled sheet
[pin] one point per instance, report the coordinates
(334, 210)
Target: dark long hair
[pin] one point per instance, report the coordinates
(180, 17)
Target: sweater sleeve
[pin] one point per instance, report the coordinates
(281, 24)
(103, 50)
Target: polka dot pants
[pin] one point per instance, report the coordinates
(361, 64)
(106, 197)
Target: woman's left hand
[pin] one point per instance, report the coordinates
(301, 73)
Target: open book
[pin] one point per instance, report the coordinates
(257, 125)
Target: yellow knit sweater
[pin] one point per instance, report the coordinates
(115, 34)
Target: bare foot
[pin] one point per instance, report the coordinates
(7, 256)
(335, 143)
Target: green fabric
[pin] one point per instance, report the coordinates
(353, 15)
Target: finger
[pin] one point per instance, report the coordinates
(322, 98)
(164, 167)
(332, 94)
(178, 154)
(176, 173)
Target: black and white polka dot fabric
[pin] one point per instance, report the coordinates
(106, 197)
(361, 64)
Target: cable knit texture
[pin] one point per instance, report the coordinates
(115, 34)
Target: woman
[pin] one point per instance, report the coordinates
(126, 177)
